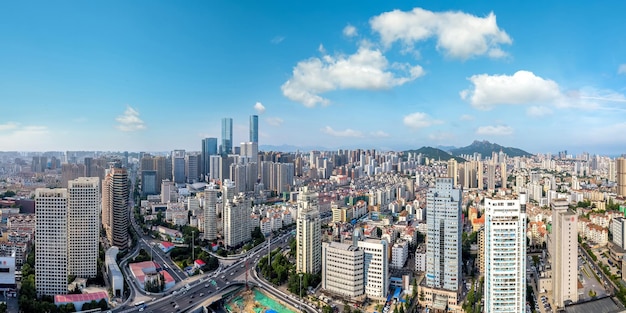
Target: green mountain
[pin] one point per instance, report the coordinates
(434, 153)
(485, 148)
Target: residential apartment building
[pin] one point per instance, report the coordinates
(83, 226)
(564, 253)
(236, 221)
(505, 254)
(342, 269)
(308, 234)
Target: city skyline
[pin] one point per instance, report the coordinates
(161, 76)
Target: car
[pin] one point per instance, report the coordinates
(231, 273)
(141, 309)
(201, 294)
(190, 301)
(206, 285)
(223, 276)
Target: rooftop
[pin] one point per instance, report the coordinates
(85, 297)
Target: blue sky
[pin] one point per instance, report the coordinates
(160, 75)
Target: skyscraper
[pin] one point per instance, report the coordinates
(192, 162)
(227, 136)
(209, 148)
(210, 213)
(51, 241)
(308, 236)
(115, 206)
(453, 171)
(149, 183)
(83, 226)
(505, 254)
(178, 166)
(564, 253)
(443, 253)
(621, 176)
(236, 217)
(254, 128)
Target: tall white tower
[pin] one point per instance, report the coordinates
(564, 253)
(210, 213)
(308, 237)
(83, 226)
(51, 241)
(505, 254)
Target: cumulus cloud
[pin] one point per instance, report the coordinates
(259, 108)
(367, 69)
(341, 133)
(274, 121)
(8, 126)
(419, 120)
(523, 87)
(500, 130)
(459, 35)
(538, 111)
(350, 31)
(278, 39)
(621, 69)
(466, 117)
(379, 134)
(130, 121)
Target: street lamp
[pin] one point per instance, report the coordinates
(300, 291)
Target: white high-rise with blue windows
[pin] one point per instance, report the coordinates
(443, 253)
(505, 254)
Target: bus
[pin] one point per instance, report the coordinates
(140, 303)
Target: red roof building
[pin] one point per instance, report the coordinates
(80, 299)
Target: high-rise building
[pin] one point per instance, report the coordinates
(375, 267)
(505, 254)
(453, 170)
(254, 128)
(564, 253)
(621, 176)
(115, 206)
(192, 172)
(618, 229)
(161, 169)
(342, 269)
(227, 136)
(443, 252)
(83, 226)
(249, 152)
(491, 176)
(210, 213)
(149, 183)
(308, 234)
(209, 148)
(178, 166)
(71, 171)
(236, 221)
(51, 241)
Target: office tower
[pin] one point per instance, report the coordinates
(161, 168)
(227, 136)
(236, 221)
(443, 252)
(491, 176)
(215, 162)
(191, 167)
(51, 241)
(83, 226)
(178, 166)
(505, 254)
(210, 213)
(249, 152)
(209, 148)
(88, 163)
(621, 176)
(149, 183)
(342, 269)
(254, 128)
(38, 165)
(618, 229)
(167, 189)
(308, 236)
(71, 171)
(453, 171)
(564, 253)
(115, 204)
(375, 267)
(147, 163)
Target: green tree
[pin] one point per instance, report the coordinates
(3, 307)
(347, 309)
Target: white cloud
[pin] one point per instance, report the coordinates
(443, 137)
(274, 121)
(538, 111)
(621, 69)
(259, 107)
(367, 69)
(278, 39)
(459, 35)
(419, 120)
(130, 121)
(341, 133)
(500, 130)
(9, 126)
(350, 31)
(523, 87)
(466, 117)
(379, 134)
